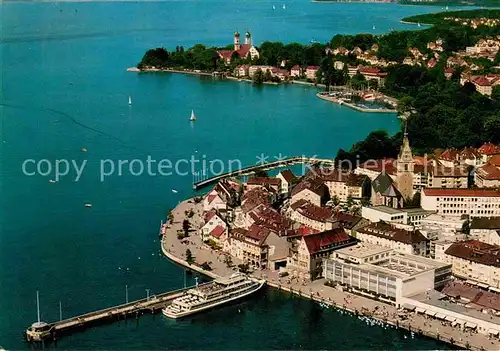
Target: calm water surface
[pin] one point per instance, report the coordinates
(64, 88)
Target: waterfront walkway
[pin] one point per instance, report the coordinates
(315, 290)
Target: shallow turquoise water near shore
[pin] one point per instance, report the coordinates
(64, 88)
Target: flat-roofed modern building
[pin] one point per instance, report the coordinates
(383, 273)
(458, 202)
(410, 216)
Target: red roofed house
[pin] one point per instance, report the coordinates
(311, 72)
(487, 150)
(483, 86)
(373, 73)
(488, 176)
(213, 200)
(288, 179)
(241, 71)
(475, 260)
(470, 156)
(448, 72)
(258, 246)
(214, 226)
(306, 256)
(312, 190)
(266, 182)
(482, 202)
(296, 71)
(245, 51)
(319, 218)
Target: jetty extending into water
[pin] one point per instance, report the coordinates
(41, 331)
(242, 172)
(355, 107)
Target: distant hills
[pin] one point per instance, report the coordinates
(495, 3)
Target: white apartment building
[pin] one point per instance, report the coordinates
(458, 202)
(474, 260)
(384, 273)
(486, 230)
(407, 241)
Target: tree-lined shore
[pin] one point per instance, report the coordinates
(443, 113)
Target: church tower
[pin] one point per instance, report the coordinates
(248, 38)
(405, 168)
(236, 41)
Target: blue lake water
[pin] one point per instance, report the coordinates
(64, 88)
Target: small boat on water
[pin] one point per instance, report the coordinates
(284, 7)
(274, 7)
(84, 150)
(373, 27)
(216, 293)
(419, 24)
(174, 191)
(88, 205)
(52, 181)
(193, 117)
(129, 100)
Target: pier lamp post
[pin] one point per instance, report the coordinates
(147, 294)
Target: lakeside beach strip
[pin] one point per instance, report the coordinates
(359, 306)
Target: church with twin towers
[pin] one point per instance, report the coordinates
(244, 51)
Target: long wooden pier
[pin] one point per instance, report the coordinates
(42, 331)
(290, 161)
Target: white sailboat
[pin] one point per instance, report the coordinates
(274, 7)
(129, 100)
(284, 7)
(193, 117)
(373, 27)
(419, 24)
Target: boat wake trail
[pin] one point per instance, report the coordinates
(72, 120)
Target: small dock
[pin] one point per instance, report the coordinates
(41, 331)
(242, 172)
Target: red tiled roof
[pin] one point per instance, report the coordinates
(312, 184)
(327, 240)
(476, 251)
(288, 175)
(217, 231)
(312, 67)
(296, 68)
(495, 160)
(489, 149)
(449, 155)
(469, 153)
(489, 172)
(226, 54)
(462, 192)
(387, 231)
(209, 215)
(244, 50)
(449, 70)
(258, 233)
(482, 81)
(316, 213)
(211, 198)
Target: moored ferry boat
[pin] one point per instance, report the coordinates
(218, 292)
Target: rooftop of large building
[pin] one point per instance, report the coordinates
(485, 223)
(362, 250)
(476, 251)
(387, 231)
(480, 192)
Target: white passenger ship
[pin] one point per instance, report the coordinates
(218, 292)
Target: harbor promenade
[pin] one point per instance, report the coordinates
(316, 290)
